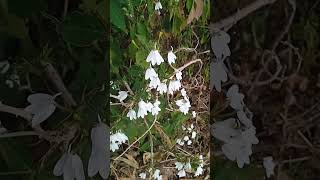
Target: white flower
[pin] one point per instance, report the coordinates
(184, 93)
(41, 107)
(171, 57)
(149, 106)
(217, 74)
(199, 171)
(244, 119)
(194, 114)
(180, 142)
(70, 166)
(219, 44)
(179, 165)
(187, 166)
(189, 142)
(116, 140)
(143, 109)
(181, 173)
(179, 75)
(162, 88)
(269, 165)
(143, 175)
(183, 128)
(174, 86)
(122, 95)
(184, 105)
(186, 138)
(158, 6)
(193, 135)
(154, 57)
(100, 150)
(4, 67)
(235, 98)
(224, 130)
(150, 73)
(156, 175)
(155, 109)
(154, 82)
(132, 115)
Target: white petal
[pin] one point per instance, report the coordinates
(58, 168)
(78, 167)
(171, 57)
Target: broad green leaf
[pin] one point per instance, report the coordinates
(117, 15)
(141, 59)
(82, 30)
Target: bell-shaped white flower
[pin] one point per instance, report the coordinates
(174, 86)
(179, 75)
(154, 82)
(156, 175)
(199, 171)
(143, 109)
(184, 93)
(194, 114)
(70, 166)
(182, 173)
(41, 107)
(219, 44)
(155, 109)
(184, 105)
(269, 165)
(132, 115)
(244, 119)
(235, 98)
(171, 57)
(99, 158)
(224, 130)
(193, 134)
(150, 73)
(217, 75)
(154, 57)
(158, 6)
(162, 88)
(143, 175)
(116, 140)
(122, 95)
(180, 142)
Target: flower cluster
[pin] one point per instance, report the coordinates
(237, 134)
(116, 140)
(182, 168)
(186, 139)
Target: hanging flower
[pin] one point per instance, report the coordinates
(143, 175)
(174, 86)
(156, 175)
(150, 73)
(158, 6)
(154, 83)
(99, 154)
(143, 109)
(171, 57)
(184, 105)
(219, 44)
(217, 75)
(162, 88)
(41, 107)
(179, 75)
(70, 166)
(132, 115)
(194, 114)
(122, 95)
(235, 98)
(269, 165)
(116, 140)
(155, 109)
(154, 57)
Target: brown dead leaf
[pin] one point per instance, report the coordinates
(146, 157)
(196, 11)
(130, 161)
(164, 137)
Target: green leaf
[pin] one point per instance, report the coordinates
(82, 30)
(141, 59)
(16, 27)
(116, 15)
